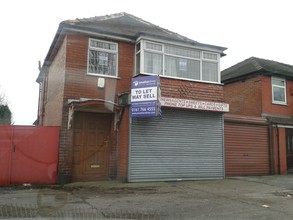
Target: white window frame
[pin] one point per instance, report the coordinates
(278, 86)
(211, 61)
(103, 50)
(143, 49)
(201, 59)
(153, 50)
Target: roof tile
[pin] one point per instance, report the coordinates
(254, 65)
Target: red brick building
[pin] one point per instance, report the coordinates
(261, 89)
(85, 83)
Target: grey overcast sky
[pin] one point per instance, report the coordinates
(260, 28)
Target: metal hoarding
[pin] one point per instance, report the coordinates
(183, 145)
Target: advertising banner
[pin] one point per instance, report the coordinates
(145, 96)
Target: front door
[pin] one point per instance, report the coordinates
(289, 138)
(90, 146)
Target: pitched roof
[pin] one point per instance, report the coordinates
(121, 26)
(254, 65)
(129, 27)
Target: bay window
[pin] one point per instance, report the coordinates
(153, 63)
(153, 59)
(177, 62)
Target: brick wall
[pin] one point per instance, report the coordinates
(122, 146)
(192, 90)
(279, 151)
(245, 97)
(268, 106)
(253, 97)
(65, 150)
(55, 88)
(80, 85)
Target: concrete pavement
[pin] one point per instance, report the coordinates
(266, 197)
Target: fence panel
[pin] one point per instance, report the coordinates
(5, 154)
(32, 154)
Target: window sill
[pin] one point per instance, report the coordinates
(279, 103)
(104, 76)
(184, 79)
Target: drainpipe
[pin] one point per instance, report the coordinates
(272, 164)
(278, 145)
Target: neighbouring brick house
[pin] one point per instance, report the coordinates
(259, 91)
(85, 83)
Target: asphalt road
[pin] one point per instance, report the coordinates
(267, 197)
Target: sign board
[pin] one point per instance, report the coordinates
(145, 96)
(196, 105)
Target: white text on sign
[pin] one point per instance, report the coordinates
(144, 94)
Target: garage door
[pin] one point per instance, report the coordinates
(246, 149)
(182, 145)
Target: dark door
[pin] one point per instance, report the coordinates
(289, 138)
(90, 146)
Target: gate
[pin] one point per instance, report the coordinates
(28, 154)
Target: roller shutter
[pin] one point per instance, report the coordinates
(182, 145)
(246, 149)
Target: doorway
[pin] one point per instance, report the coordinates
(289, 144)
(90, 146)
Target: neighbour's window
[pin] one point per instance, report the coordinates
(279, 90)
(177, 62)
(102, 58)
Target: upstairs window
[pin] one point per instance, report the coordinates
(182, 62)
(177, 62)
(102, 58)
(279, 91)
(153, 58)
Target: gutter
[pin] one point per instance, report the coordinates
(99, 34)
(46, 63)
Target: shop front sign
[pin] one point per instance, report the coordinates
(193, 104)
